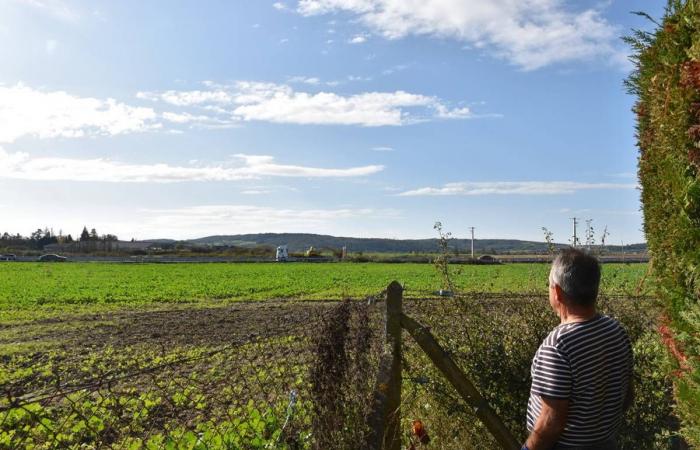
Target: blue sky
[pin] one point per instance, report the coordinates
(369, 118)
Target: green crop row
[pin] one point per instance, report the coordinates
(26, 286)
(234, 399)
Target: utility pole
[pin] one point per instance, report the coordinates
(575, 239)
(589, 234)
(622, 244)
(472, 230)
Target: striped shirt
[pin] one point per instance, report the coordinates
(590, 364)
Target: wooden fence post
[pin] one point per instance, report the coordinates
(392, 438)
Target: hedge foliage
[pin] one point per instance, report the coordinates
(667, 83)
(492, 339)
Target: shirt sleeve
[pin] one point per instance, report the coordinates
(551, 374)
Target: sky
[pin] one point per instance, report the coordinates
(364, 118)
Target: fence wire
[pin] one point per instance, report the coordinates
(492, 338)
(260, 375)
(279, 374)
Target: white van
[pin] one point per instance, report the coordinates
(282, 254)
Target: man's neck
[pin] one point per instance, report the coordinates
(568, 315)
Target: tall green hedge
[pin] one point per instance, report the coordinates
(667, 84)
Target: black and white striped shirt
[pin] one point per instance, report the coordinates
(589, 363)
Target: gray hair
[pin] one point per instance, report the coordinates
(577, 273)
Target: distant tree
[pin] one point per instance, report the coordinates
(69, 239)
(44, 237)
(93, 235)
(84, 236)
(38, 234)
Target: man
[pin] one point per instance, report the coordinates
(582, 372)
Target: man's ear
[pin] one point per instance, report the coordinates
(558, 294)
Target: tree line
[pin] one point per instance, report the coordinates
(43, 237)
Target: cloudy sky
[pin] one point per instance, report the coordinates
(369, 118)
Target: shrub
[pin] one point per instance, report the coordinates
(493, 339)
(667, 84)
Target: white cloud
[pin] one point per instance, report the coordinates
(29, 112)
(527, 33)
(590, 212)
(383, 149)
(188, 98)
(194, 221)
(56, 8)
(396, 68)
(305, 80)
(51, 46)
(199, 120)
(178, 117)
(212, 219)
(624, 175)
(279, 6)
(358, 78)
(358, 39)
(280, 103)
(444, 112)
(276, 103)
(20, 165)
(513, 188)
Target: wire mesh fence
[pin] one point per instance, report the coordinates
(481, 334)
(289, 375)
(275, 375)
(492, 338)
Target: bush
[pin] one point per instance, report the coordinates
(667, 84)
(493, 339)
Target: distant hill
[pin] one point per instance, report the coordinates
(302, 241)
(159, 241)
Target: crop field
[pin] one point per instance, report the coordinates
(178, 378)
(95, 286)
(238, 356)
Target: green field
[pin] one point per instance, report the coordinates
(28, 285)
(208, 356)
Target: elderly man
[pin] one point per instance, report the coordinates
(582, 372)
